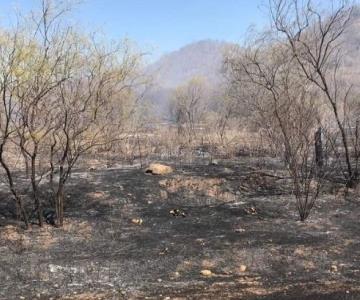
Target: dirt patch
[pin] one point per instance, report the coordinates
(15, 238)
(20, 240)
(98, 195)
(209, 187)
(11, 233)
(79, 229)
(46, 238)
(87, 296)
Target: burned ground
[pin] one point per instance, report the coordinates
(121, 242)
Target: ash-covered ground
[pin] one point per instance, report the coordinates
(239, 224)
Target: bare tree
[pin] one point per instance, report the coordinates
(283, 103)
(187, 107)
(100, 80)
(314, 38)
(63, 93)
(41, 73)
(11, 46)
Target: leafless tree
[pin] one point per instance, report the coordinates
(41, 73)
(87, 104)
(63, 93)
(283, 103)
(10, 49)
(187, 107)
(314, 38)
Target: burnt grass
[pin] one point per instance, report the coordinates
(250, 219)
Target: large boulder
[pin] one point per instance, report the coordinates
(159, 169)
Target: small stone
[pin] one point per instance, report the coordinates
(38, 295)
(164, 251)
(333, 268)
(207, 273)
(159, 280)
(176, 274)
(22, 297)
(242, 268)
(137, 221)
(52, 268)
(163, 194)
(200, 241)
(214, 162)
(163, 183)
(228, 171)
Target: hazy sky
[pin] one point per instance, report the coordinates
(162, 25)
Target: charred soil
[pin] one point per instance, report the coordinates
(236, 219)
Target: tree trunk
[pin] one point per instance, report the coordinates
(19, 204)
(60, 198)
(38, 207)
(319, 155)
(60, 205)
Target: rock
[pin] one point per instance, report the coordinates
(163, 194)
(163, 183)
(251, 210)
(213, 162)
(164, 251)
(333, 268)
(175, 275)
(159, 169)
(228, 171)
(206, 273)
(177, 213)
(242, 268)
(137, 221)
(53, 268)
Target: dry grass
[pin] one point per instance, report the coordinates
(87, 296)
(79, 229)
(210, 187)
(20, 240)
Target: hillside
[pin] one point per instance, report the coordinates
(203, 58)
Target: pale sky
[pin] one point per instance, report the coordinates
(161, 25)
